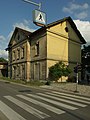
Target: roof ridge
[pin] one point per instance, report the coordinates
(22, 29)
(58, 21)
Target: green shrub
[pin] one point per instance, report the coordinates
(58, 70)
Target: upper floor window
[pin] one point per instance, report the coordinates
(18, 53)
(37, 48)
(66, 29)
(18, 37)
(14, 55)
(22, 52)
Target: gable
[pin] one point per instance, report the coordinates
(59, 29)
(64, 29)
(71, 23)
(19, 35)
(72, 34)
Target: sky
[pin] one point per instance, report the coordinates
(17, 13)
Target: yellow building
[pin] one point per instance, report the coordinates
(57, 41)
(19, 55)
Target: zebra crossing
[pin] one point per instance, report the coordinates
(55, 102)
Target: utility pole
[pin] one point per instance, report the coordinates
(76, 82)
(76, 78)
(36, 4)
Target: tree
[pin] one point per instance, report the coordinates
(58, 70)
(3, 60)
(86, 56)
(85, 60)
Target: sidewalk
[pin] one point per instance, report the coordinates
(70, 88)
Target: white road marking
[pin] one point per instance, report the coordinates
(48, 107)
(53, 98)
(54, 102)
(70, 98)
(28, 108)
(75, 96)
(10, 113)
(60, 99)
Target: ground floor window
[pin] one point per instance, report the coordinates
(38, 70)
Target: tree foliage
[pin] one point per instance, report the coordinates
(86, 48)
(86, 58)
(3, 60)
(58, 70)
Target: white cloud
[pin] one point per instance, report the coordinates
(65, 9)
(84, 28)
(82, 15)
(78, 10)
(4, 41)
(10, 34)
(4, 54)
(3, 45)
(2, 38)
(21, 25)
(73, 6)
(85, 6)
(24, 25)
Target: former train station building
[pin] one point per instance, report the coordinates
(32, 53)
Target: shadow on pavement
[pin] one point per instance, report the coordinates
(25, 91)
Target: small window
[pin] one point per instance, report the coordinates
(18, 54)
(18, 37)
(14, 55)
(66, 29)
(37, 48)
(22, 53)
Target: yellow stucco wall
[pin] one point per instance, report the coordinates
(57, 43)
(60, 29)
(72, 33)
(63, 46)
(74, 51)
(57, 47)
(74, 45)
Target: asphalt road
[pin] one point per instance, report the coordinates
(26, 103)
